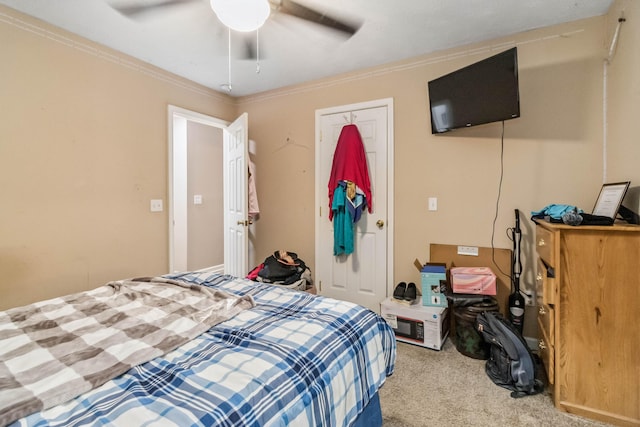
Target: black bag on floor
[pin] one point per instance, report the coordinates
(283, 267)
(510, 364)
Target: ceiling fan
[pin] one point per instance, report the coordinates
(245, 17)
(347, 27)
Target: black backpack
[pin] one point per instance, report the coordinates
(510, 364)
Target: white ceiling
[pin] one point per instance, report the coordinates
(189, 41)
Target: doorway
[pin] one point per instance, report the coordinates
(362, 277)
(194, 242)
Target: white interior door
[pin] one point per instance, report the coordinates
(362, 276)
(236, 241)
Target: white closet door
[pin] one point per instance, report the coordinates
(362, 276)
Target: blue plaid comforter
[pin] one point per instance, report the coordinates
(294, 359)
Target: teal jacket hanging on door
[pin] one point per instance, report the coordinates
(342, 222)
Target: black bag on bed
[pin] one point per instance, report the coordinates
(510, 364)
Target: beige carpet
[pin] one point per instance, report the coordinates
(446, 388)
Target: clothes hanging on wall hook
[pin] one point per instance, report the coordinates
(254, 208)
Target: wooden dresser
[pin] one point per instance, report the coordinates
(588, 283)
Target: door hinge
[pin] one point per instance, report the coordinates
(320, 210)
(319, 285)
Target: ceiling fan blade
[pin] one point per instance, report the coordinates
(132, 10)
(299, 11)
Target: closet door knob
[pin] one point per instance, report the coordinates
(380, 223)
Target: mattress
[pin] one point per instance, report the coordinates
(294, 359)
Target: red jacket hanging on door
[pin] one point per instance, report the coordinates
(350, 164)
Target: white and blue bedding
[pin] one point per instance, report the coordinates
(293, 359)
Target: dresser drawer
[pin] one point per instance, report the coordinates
(546, 321)
(546, 352)
(545, 244)
(546, 349)
(546, 283)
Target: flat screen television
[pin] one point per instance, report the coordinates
(484, 92)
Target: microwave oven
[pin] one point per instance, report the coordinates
(409, 328)
(426, 326)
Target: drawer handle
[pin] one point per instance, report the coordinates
(542, 311)
(541, 242)
(541, 345)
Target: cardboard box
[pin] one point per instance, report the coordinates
(433, 280)
(473, 280)
(417, 324)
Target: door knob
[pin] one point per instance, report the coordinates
(380, 223)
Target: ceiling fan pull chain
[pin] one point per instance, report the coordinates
(229, 59)
(258, 51)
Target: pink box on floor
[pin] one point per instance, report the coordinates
(473, 280)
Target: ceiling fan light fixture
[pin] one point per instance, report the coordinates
(242, 15)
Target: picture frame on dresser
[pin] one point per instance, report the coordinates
(610, 199)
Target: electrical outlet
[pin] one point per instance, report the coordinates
(530, 299)
(468, 250)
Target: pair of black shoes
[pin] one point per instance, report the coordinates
(406, 292)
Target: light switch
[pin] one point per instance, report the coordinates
(156, 205)
(433, 203)
(197, 199)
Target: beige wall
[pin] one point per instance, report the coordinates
(205, 222)
(83, 150)
(76, 187)
(623, 93)
(552, 154)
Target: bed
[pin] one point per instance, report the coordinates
(283, 358)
